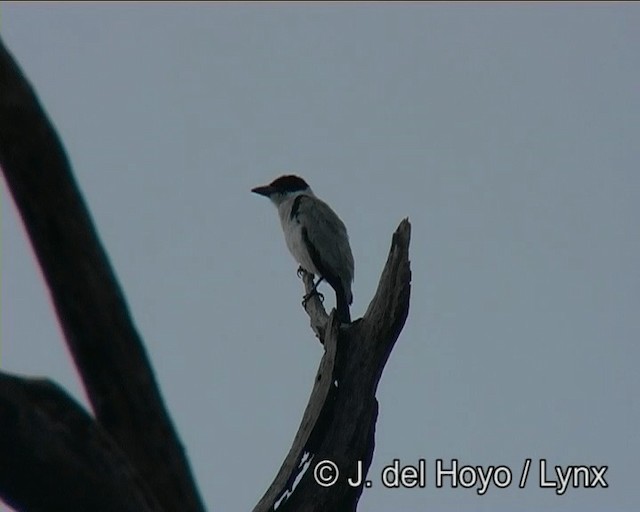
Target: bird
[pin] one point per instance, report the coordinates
(315, 236)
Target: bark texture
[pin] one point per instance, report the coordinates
(339, 422)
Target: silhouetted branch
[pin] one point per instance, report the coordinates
(339, 422)
(56, 457)
(91, 308)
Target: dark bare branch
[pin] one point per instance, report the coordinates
(89, 302)
(315, 309)
(323, 387)
(339, 423)
(56, 457)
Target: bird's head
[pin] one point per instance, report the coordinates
(282, 188)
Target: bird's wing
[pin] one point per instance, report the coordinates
(324, 229)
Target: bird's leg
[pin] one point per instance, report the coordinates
(301, 272)
(314, 291)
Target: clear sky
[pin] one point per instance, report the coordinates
(507, 133)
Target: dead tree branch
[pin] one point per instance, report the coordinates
(339, 422)
(56, 457)
(98, 329)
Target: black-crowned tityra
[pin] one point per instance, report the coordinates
(315, 236)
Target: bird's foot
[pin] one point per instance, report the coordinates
(311, 294)
(301, 272)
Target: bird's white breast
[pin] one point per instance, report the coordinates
(293, 237)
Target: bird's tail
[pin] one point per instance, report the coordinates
(342, 305)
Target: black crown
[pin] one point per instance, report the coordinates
(289, 183)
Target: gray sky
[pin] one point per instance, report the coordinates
(507, 133)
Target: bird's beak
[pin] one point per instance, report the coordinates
(263, 191)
